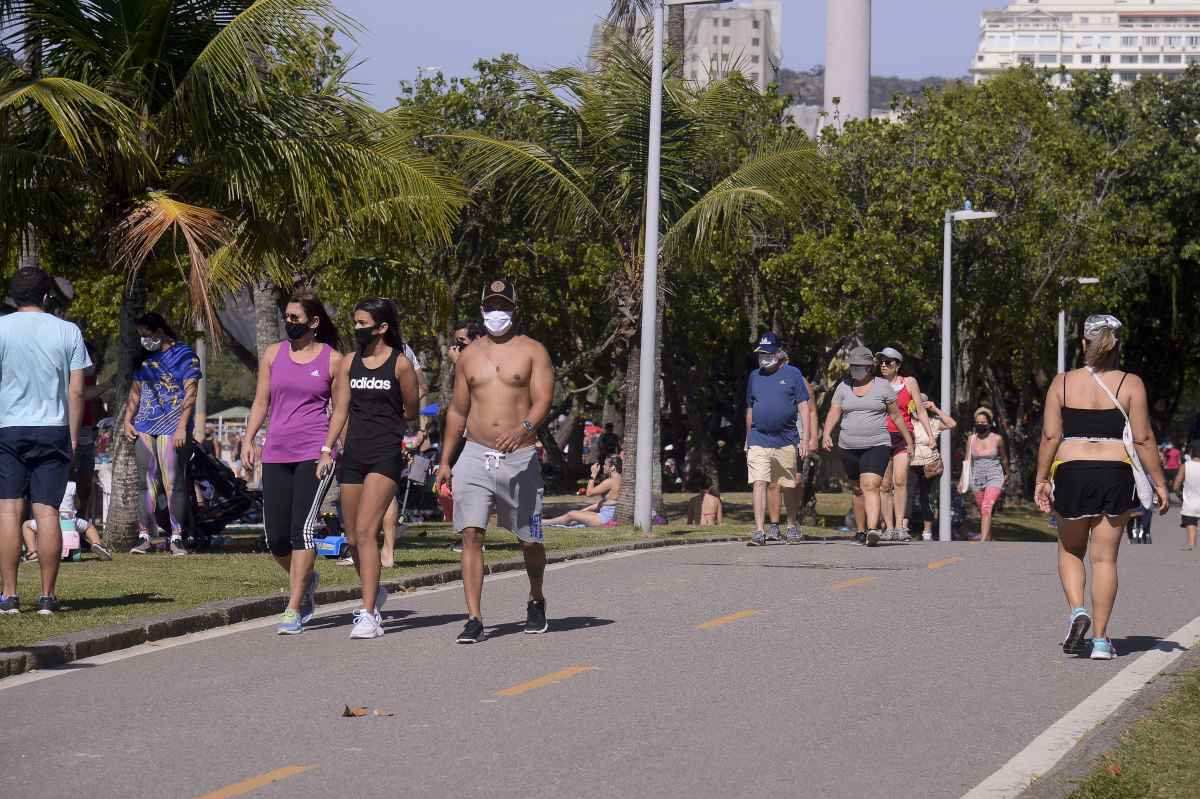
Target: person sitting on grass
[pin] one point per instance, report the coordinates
(706, 508)
(66, 511)
(603, 511)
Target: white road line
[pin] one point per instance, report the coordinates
(323, 610)
(1048, 748)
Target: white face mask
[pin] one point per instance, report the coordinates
(498, 322)
(151, 344)
(766, 362)
(859, 372)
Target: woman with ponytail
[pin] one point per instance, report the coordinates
(377, 398)
(1088, 476)
(296, 388)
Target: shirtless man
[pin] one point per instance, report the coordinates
(503, 386)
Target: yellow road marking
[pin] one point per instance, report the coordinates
(542, 682)
(851, 583)
(938, 564)
(717, 622)
(254, 783)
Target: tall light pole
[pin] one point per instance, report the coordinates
(1062, 321)
(643, 506)
(965, 215)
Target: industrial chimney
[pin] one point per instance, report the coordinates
(848, 59)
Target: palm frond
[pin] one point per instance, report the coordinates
(531, 171)
(85, 119)
(785, 174)
(204, 231)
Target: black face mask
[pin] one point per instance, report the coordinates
(295, 330)
(983, 429)
(363, 336)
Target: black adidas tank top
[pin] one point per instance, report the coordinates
(377, 423)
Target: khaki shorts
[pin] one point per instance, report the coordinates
(509, 482)
(767, 465)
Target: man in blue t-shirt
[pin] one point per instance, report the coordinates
(42, 361)
(776, 397)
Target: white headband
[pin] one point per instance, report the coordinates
(1097, 323)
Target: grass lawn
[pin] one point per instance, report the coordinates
(1157, 755)
(132, 586)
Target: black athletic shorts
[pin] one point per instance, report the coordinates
(292, 497)
(354, 471)
(35, 462)
(1189, 521)
(872, 460)
(1086, 489)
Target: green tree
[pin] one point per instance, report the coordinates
(587, 172)
(163, 126)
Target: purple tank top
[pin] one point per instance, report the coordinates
(299, 416)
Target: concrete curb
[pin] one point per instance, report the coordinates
(88, 643)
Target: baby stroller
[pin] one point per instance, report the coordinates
(416, 477)
(227, 499)
(810, 470)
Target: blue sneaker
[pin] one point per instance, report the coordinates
(10, 605)
(1103, 649)
(289, 623)
(1077, 629)
(308, 600)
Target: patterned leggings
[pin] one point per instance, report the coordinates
(162, 465)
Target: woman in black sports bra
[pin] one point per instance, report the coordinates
(378, 397)
(1084, 475)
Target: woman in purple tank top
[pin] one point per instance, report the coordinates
(295, 388)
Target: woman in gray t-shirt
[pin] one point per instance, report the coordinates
(862, 405)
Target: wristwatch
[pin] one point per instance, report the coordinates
(326, 451)
(527, 425)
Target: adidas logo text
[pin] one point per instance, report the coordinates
(371, 383)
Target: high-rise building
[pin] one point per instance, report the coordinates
(1131, 38)
(745, 37)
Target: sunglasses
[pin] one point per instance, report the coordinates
(890, 362)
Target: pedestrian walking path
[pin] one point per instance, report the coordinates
(821, 670)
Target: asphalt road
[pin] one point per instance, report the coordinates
(822, 670)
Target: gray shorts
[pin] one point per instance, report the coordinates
(509, 482)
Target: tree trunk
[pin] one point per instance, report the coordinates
(266, 315)
(676, 40)
(121, 524)
(626, 499)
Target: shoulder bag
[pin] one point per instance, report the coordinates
(1145, 490)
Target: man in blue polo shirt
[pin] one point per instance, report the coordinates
(776, 397)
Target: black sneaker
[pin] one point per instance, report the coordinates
(535, 617)
(47, 605)
(10, 605)
(472, 633)
(860, 537)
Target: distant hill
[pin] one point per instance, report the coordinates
(808, 88)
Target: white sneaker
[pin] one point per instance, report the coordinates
(366, 625)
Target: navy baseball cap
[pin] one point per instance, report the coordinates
(769, 343)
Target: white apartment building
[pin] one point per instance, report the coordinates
(1130, 38)
(745, 37)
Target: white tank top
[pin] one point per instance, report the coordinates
(1191, 488)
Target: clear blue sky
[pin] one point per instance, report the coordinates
(912, 38)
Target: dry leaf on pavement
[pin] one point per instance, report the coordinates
(379, 712)
(358, 711)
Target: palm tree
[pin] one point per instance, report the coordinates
(587, 171)
(164, 127)
(625, 16)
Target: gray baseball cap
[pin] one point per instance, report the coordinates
(861, 356)
(890, 352)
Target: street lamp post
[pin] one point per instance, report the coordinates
(1062, 321)
(965, 215)
(643, 507)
